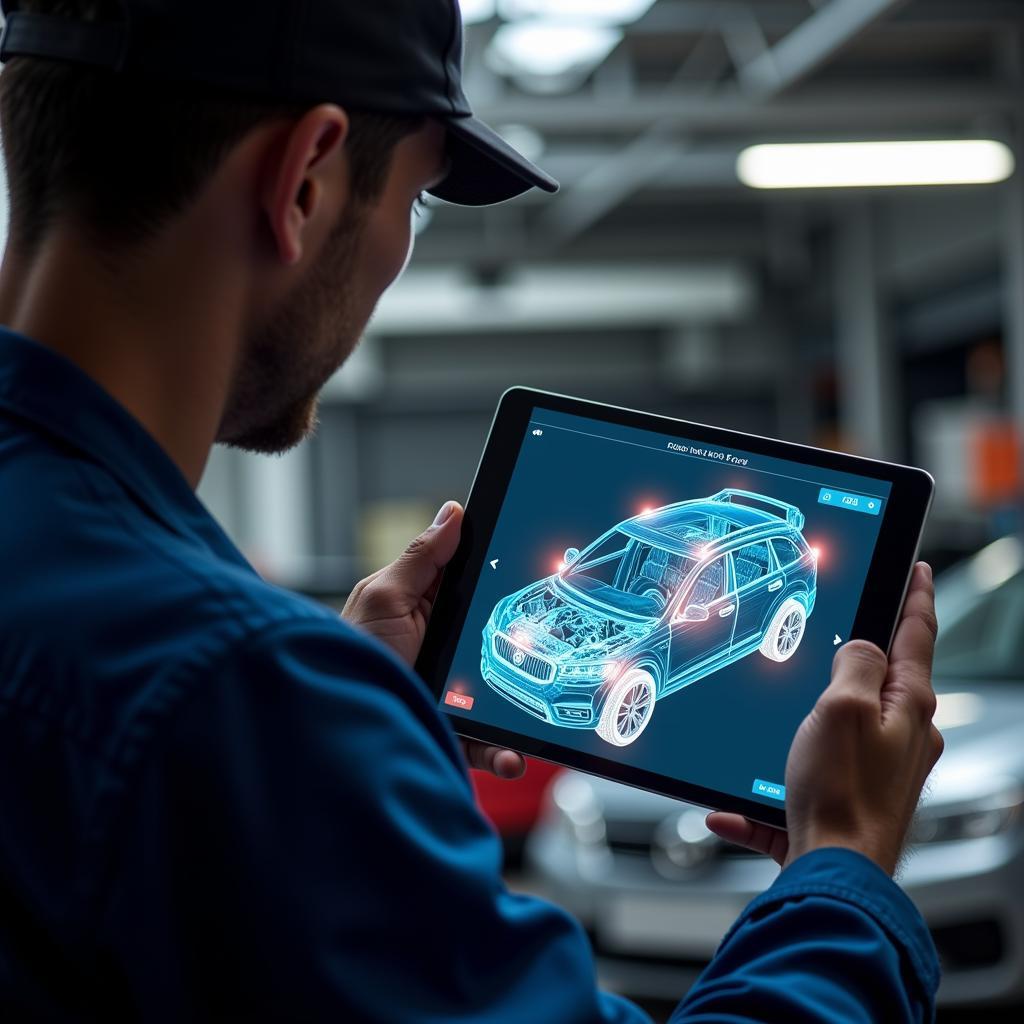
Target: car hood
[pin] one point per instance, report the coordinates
(566, 629)
(984, 734)
(983, 726)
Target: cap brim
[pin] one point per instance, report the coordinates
(485, 169)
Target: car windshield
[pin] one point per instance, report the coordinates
(983, 638)
(628, 576)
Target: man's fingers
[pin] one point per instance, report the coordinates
(915, 637)
(740, 831)
(505, 764)
(865, 682)
(910, 686)
(858, 674)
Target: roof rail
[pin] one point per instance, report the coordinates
(790, 513)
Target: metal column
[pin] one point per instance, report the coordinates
(277, 493)
(865, 358)
(1013, 281)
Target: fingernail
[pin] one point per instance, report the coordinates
(444, 513)
(927, 571)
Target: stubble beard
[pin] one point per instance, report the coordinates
(274, 402)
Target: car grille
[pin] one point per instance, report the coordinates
(970, 944)
(533, 667)
(525, 700)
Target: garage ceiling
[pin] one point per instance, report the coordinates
(645, 146)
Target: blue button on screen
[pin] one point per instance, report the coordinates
(772, 790)
(866, 503)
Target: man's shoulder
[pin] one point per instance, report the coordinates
(111, 613)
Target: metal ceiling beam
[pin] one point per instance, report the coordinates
(608, 184)
(636, 246)
(881, 105)
(813, 44)
(778, 17)
(651, 152)
(445, 300)
(954, 14)
(774, 70)
(666, 124)
(688, 16)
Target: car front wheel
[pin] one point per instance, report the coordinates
(628, 708)
(783, 636)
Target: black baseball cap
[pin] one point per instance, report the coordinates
(388, 56)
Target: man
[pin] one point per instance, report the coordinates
(217, 799)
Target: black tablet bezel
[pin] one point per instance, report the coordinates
(881, 600)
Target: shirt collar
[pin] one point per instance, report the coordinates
(43, 388)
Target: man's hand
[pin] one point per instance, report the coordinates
(394, 605)
(861, 757)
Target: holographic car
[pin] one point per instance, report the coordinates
(656, 603)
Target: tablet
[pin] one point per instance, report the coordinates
(659, 602)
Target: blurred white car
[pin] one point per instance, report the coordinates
(657, 891)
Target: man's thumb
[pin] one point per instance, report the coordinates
(859, 669)
(417, 567)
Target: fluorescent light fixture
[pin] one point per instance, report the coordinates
(444, 300)
(546, 49)
(603, 12)
(874, 164)
(474, 11)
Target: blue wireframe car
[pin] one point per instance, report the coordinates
(656, 603)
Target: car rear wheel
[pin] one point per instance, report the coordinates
(628, 708)
(783, 636)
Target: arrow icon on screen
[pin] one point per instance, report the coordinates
(494, 564)
(837, 641)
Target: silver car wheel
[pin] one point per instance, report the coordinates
(792, 630)
(785, 632)
(628, 708)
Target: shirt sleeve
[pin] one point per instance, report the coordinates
(833, 939)
(306, 848)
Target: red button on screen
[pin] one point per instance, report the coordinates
(458, 700)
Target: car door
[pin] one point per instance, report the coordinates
(758, 582)
(703, 623)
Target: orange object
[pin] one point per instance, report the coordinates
(996, 460)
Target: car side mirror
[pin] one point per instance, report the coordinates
(694, 613)
(570, 556)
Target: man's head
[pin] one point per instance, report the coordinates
(121, 154)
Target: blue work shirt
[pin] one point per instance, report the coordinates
(219, 801)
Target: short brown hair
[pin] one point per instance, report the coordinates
(120, 158)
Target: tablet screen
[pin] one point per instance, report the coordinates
(664, 603)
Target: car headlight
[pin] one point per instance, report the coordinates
(589, 670)
(989, 815)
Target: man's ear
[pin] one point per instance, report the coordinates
(305, 181)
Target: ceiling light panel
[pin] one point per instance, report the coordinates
(875, 164)
(550, 49)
